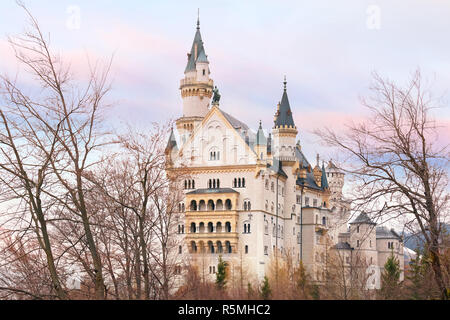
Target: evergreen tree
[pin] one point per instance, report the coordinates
(265, 289)
(302, 280)
(221, 275)
(390, 278)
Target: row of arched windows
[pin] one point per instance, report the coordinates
(211, 248)
(247, 228)
(239, 183)
(247, 205)
(189, 184)
(214, 155)
(210, 206)
(210, 228)
(214, 184)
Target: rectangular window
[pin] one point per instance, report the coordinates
(265, 250)
(307, 201)
(315, 203)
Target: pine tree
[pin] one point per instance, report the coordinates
(221, 275)
(390, 278)
(265, 289)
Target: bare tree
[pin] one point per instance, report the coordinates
(398, 167)
(60, 125)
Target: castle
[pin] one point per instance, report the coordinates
(249, 195)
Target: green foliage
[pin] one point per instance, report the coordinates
(266, 291)
(390, 278)
(221, 275)
(315, 292)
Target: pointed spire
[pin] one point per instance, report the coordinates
(318, 160)
(260, 137)
(197, 53)
(198, 19)
(172, 143)
(324, 182)
(283, 117)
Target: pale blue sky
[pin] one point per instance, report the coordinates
(324, 47)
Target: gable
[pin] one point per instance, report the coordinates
(215, 142)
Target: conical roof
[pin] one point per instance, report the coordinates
(260, 137)
(363, 218)
(199, 55)
(283, 116)
(324, 180)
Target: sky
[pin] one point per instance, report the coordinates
(326, 49)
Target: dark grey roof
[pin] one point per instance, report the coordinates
(269, 143)
(331, 165)
(172, 141)
(192, 61)
(209, 191)
(277, 166)
(342, 246)
(301, 157)
(284, 114)
(235, 122)
(363, 218)
(324, 180)
(385, 233)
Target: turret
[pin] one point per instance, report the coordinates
(318, 173)
(261, 143)
(196, 88)
(336, 180)
(284, 130)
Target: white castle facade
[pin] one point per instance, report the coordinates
(249, 195)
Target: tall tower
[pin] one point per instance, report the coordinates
(284, 130)
(196, 88)
(336, 180)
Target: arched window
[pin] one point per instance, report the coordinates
(243, 182)
(239, 182)
(324, 221)
(245, 228)
(246, 249)
(193, 228)
(228, 205)
(218, 184)
(193, 205)
(189, 184)
(193, 184)
(219, 247)
(228, 247)
(248, 228)
(245, 205)
(228, 227)
(185, 184)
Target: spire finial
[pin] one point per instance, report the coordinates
(285, 84)
(198, 19)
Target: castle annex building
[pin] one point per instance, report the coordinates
(249, 195)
